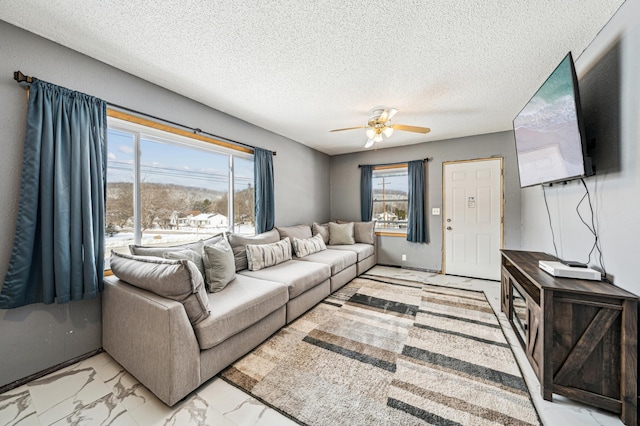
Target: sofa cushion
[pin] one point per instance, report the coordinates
(341, 233)
(298, 276)
(321, 229)
(363, 232)
(363, 250)
(298, 231)
(242, 303)
(219, 265)
(338, 260)
(160, 251)
(262, 256)
(178, 280)
(308, 246)
(239, 245)
(193, 254)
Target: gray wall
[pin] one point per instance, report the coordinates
(345, 191)
(608, 71)
(39, 336)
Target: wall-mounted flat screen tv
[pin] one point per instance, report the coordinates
(549, 133)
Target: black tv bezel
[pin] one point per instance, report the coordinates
(586, 160)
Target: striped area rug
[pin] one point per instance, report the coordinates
(383, 351)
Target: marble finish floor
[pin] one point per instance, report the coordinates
(98, 391)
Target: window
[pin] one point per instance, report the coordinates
(175, 190)
(390, 198)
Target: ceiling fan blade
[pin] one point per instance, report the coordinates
(406, 128)
(347, 128)
(369, 143)
(387, 114)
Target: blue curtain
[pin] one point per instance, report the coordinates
(58, 249)
(417, 227)
(263, 174)
(366, 193)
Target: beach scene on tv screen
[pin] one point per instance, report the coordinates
(548, 141)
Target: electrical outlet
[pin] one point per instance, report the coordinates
(435, 211)
(404, 257)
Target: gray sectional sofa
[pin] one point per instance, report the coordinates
(172, 350)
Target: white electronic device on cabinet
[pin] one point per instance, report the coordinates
(561, 270)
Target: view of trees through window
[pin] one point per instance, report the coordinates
(390, 198)
(182, 192)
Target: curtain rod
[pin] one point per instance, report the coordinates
(391, 164)
(21, 79)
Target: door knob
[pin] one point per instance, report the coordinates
(448, 228)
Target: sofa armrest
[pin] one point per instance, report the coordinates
(151, 337)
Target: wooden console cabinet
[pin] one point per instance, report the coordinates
(580, 336)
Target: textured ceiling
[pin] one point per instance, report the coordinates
(302, 68)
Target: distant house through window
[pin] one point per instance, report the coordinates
(165, 189)
(390, 197)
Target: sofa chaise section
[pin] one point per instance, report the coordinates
(152, 338)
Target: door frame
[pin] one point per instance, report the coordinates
(444, 206)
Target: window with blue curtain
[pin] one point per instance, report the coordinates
(58, 248)
(186, 190)
(390, 192)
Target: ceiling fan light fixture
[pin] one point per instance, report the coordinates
(388, 131)
(377, 138)
(371, 133)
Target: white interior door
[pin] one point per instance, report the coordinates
(473, 218)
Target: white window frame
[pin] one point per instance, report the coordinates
(381, 169)
(140, 131)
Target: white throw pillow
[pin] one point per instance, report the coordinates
(307, 246)
(261, 256)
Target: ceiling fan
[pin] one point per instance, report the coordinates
(379, 124)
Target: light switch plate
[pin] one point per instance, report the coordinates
(435, 211)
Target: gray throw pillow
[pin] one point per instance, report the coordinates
(178, 280)
(308, 246)
(322, 230)
(219, 264)
(262, 256)
(193, 254)
(341, 233)
(239, 245)
(364, 232)
(298, 231)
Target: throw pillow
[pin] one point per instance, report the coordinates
(174, 279)
(219, 264)
(308, 246)
(298, 231)
(364, 232)
(193, 254)
(322, 230)
(264, 255)
(341, 233)
(239, 245)
(160, 251)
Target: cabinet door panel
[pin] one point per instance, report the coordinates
(534, 342)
